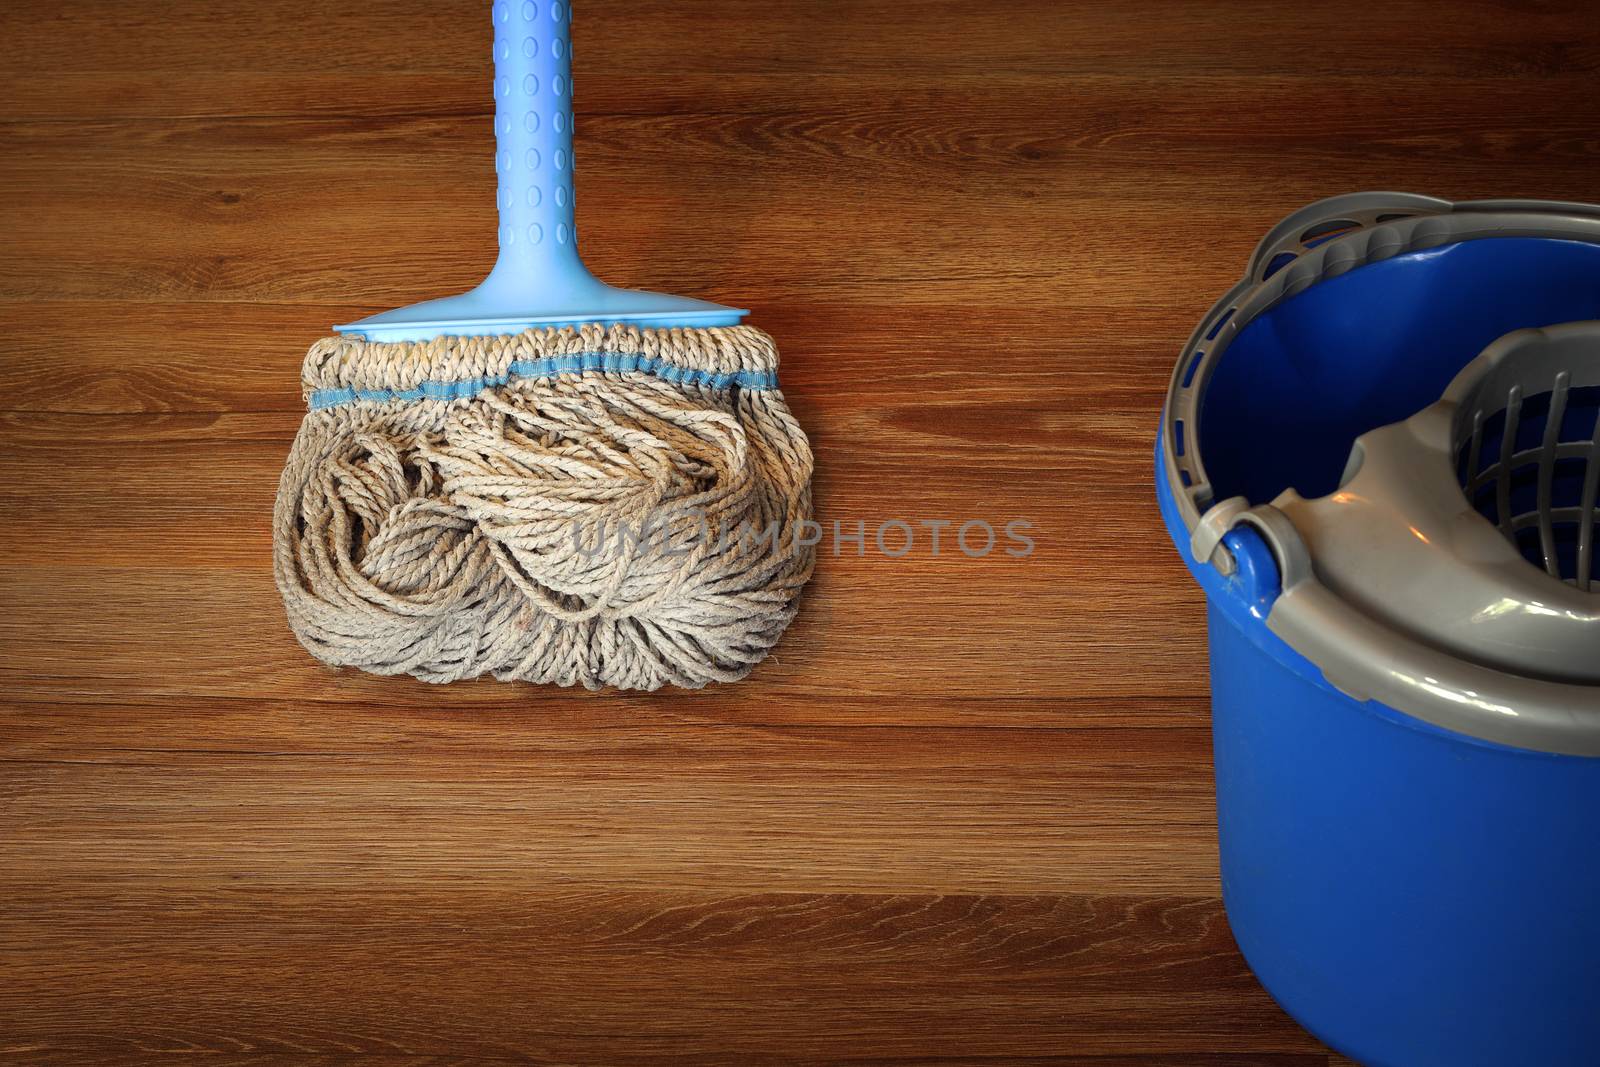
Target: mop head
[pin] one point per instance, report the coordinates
(593, 506)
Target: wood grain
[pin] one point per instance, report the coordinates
(965, 813)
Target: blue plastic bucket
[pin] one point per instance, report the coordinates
(1412, 894)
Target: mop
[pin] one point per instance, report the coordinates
(546, 478)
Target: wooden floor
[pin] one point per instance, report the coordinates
(964, 814)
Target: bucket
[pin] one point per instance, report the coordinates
(1378, 458)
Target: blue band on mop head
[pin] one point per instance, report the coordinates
(617, 362)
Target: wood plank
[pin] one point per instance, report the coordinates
(840, 363)
(124, 633)
(568, 977)
(1003, 119)
(272, 209)
(813, 810)
(895, 36)
(504, 716)
(168, 591)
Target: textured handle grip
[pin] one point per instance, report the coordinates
(533, 133)
(538, 279)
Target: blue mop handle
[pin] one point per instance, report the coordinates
(538, 279)
(533, 140)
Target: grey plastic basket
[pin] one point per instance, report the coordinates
(1528, 448)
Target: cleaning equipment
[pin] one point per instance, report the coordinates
(545, 478)
(1380, 458)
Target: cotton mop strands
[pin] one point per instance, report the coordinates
(546, 478)
(586, 522)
